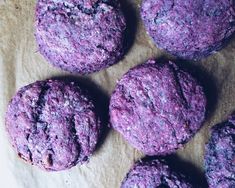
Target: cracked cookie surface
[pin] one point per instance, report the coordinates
(157, 107)
(80, 36)
(53, 124)
(154, 173)
(220, 155)
(189, 29)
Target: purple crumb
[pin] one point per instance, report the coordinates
(157, 107)
(52, 124)
(154, 174)
(80, 36)
(220, 155)
(190, 29)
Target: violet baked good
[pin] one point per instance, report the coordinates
(157, 107)
(220, 155)
(53, 124)
(155, 173)
(80, 36)
(189, 29)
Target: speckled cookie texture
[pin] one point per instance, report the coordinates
(155, 173)
(189, 29)
(157, 107)
(80, 36)
(220, 155)
(53, 124)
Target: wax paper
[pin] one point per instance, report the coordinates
(21, 64)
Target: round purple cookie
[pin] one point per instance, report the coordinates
(189, 29)
(220, 155)
(53, 124)
(80, 36)
(152, 174)
(157, 107)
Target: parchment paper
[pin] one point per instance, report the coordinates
(21, 64)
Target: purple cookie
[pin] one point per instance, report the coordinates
(153, 174)
(220, 155)
(190, 29)
(81, 36)
(157, 107)
(52, 124)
